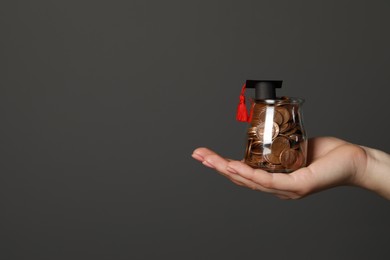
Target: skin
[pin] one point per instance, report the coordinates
(331, 162)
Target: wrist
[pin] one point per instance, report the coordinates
(374, 173)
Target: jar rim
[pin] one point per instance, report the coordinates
(289, 100)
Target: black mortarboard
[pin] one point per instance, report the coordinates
(264, 89)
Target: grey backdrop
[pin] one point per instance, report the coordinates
(103, 102)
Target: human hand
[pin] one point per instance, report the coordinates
(331, 162)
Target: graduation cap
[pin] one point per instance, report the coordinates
(264, 89)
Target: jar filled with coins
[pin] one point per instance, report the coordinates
(276, 139)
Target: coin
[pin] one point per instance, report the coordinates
(291, 130)
(255, 122)
(257, 152)
(300, 161)
(248, 148)
(257, 143)
(284, 127)
(260, 130)
(257, 158)
(278, 117)
(288, 157)
(252, 132)
(255, 161)
(271, 158)
(285, 114)
(252, 129)
(273, 167)
(261, 115)
(252, 164)
(256, 149)
(279, 144)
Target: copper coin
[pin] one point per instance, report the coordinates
(291, 130)
(259, 108)
(285, 114)
(273, 167)
(255, 161)
(284, 127)
(278, 117)
(252, 136)
(257, 143)
(261, 115)
(252, 132)
(252, 129)
(288, 157)
(251, 164)
(248, 148)
(255, 121)
(260, 130)
(300, 161)
(276, 133)
(257, 147)
(272, 158)
(279, 144)
(257, 151)
(257, 158)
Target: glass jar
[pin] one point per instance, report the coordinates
(276, 137)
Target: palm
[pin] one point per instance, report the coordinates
(331, 162)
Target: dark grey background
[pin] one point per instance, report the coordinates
(103, 102)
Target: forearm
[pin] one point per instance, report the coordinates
(376, 176)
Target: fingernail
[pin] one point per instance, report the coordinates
(208, 164)
(197, 157)
(231, 170)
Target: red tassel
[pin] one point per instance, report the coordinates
(242, 113)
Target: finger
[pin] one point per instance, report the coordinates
(197, 157)
(238, 183)
(203, 151)
(200, 153)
